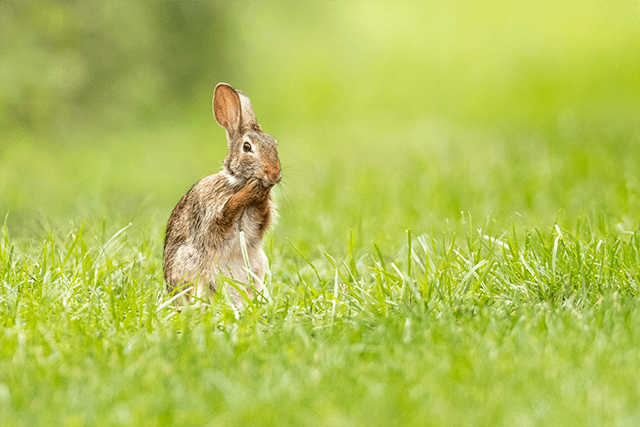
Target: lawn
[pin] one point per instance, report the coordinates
(458, 240)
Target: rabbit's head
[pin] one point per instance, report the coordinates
(252, 153)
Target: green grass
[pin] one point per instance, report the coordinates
(504, 136)
(482, 328)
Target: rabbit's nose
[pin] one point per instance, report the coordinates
(270, 179)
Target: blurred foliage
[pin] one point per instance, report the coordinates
(390, 115)
(67, 65)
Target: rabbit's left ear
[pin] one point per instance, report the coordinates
(248, 120)
(227, 108)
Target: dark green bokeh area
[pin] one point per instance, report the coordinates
(388, 115)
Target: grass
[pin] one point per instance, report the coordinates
(517, 327)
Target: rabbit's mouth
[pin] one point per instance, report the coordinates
(270, 181)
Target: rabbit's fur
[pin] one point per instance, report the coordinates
(203, 233)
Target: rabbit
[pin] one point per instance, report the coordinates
(203, 233)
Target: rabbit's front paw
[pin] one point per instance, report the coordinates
(257, 191)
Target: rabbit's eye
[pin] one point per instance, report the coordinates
(246, 147)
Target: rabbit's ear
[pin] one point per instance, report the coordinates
(248, 118)
(227, 107)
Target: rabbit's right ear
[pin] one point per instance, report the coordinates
(227, 107)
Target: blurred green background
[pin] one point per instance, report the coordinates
(389, 115)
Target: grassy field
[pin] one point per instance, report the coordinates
(459, 231)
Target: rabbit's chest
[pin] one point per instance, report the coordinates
(248, 224)
(229, 258)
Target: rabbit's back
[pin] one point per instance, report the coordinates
(187, 241)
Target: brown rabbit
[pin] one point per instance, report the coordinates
(203, 233)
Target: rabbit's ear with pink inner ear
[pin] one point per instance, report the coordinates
(227, 108)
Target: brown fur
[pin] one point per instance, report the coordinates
(202, 238)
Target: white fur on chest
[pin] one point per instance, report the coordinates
(230, 261)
